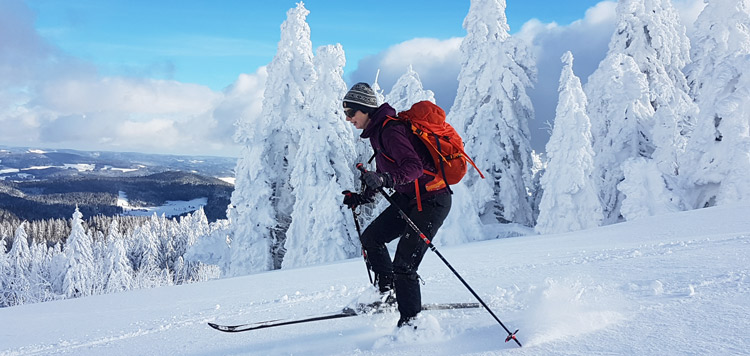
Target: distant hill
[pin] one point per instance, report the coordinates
(23, 163)
(37, 184)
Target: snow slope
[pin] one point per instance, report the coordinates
(668, 285)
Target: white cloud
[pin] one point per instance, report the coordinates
(154, 132)
(436, 61)
(603, 12)
(145, 115)
(49, 99)
(131, 95)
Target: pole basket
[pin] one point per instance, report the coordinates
(512, 336)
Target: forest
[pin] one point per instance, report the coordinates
(97, 195)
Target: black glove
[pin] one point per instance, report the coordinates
(375, 180)
(353, 200)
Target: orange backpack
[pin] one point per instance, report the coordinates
(446, 147)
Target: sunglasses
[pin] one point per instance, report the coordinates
(350, 112)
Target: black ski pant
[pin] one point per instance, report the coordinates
(388, 226)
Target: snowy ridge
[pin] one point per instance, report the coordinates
(670, 285)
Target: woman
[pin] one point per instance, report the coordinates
(401, 160)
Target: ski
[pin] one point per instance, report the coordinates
(359, 309)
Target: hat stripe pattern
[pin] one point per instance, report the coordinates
(362, 94)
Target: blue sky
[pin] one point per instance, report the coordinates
(174, 76)
(211, 43)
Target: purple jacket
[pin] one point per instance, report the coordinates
(410, 156)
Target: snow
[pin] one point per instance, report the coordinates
(664, 282)
(170, 207)
(124, 170)
(32, 168)
(229, 180)
(676, 284)
(81, 167)
(122, 199)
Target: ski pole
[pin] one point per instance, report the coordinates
(364, 253)
(359, 233)
(511, 335)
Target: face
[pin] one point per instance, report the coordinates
(357, 118)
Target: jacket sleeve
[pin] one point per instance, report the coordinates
(398, 147)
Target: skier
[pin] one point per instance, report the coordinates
(401, 164)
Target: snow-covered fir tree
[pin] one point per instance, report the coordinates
(620, 114)
(118, 271)
(79, 271)
(4, 271)
(649, 40)
(538, 166)
(144, 253)
(19, 260)
(262, 202)
(570, 201)
(47, 272)
(721, 33)
(376, 88)
(251, 216)
(321, 228)
(407, 91)
(40, 273)
(150, 268)
(719, 145)
(491, 111)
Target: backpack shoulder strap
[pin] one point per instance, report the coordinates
(389, 121)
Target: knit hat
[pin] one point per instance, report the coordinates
(361, 94)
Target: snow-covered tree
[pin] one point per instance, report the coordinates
(40, 277)
(79, 271)
(721, 33)
(251, 215)
(407, 91)
(17, 284)
(144, 253)
(491, 111)
(262, 202)
(321, 226)
(150, 269)
(719, 146)
(118, 271)
(570, 201)
(197, 225)
(4, 270)
(538, 167)
(620, 115)
(649, 44)
(189, 230)
(376, 88)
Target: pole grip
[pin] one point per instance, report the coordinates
(361, 167)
